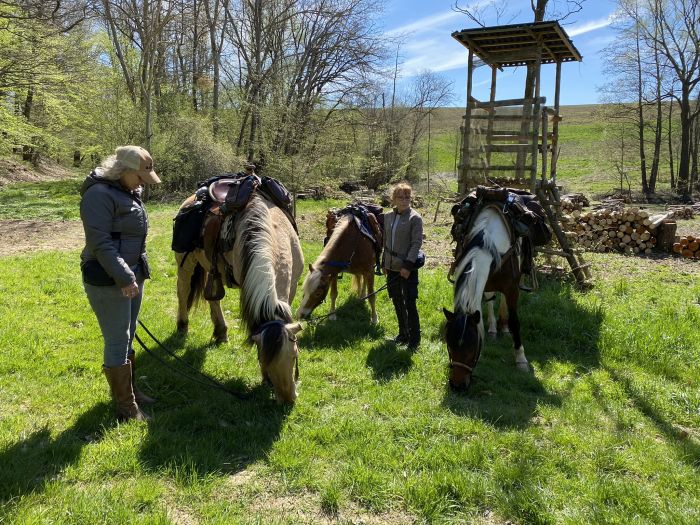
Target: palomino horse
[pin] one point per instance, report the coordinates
(489, 263)
(347, 250)
(267, 262)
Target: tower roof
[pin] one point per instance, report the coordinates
(519, 44)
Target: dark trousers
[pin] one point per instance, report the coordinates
(404, 293)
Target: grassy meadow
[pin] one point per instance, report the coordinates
(586, 161)
(606, 429)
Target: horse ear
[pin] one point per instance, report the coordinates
(311, 268)
(294, 328)
(449, 315)
(257, 338)
(475, 318)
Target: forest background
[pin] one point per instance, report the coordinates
(307, 89)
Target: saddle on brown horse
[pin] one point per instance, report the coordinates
(525, 216)
(369, 219)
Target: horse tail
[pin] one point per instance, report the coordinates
(197, 280)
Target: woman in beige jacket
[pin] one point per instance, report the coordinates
(403, 238)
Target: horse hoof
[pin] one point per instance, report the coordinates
(219, 340)
(182, 329)
(333, 317)
(374, 320)
(493, 335)
(524, 366)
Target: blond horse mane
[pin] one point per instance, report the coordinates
(254, 248)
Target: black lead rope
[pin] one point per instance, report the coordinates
(204, 380)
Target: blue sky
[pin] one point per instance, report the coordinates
(427, 44)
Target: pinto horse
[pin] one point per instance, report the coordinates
(266, 261)
(347, 250)
(489, 263)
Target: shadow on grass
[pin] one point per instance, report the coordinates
(389, 361)
(686, 447)
(214, 432)
(554, 328)
(30, 463)
(352, 324)
(198, 429)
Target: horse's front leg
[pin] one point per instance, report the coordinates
(217, 317)
(514, 326)
(369, 279)
(334, 296)
(503, 316)
(490, 297)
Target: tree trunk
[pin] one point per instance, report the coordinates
(640, 114)
(670, 145)
(684, 157)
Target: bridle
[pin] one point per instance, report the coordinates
(290, 337)
(457, 364)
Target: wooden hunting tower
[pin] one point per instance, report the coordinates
(509, 142)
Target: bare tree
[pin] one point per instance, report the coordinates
(672, 27)
(143, 24)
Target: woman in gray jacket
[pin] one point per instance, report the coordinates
(403, 238)
(114, 264)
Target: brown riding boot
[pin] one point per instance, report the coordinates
(119, 379)
(141, 398)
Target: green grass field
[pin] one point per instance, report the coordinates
(586, 161)
(606, 430)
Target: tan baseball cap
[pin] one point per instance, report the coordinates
(139, 160)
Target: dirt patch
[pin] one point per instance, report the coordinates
(22, 236)
(12, 171)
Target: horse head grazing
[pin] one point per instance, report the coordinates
(314, 293)
(278, 356)
(464, 335)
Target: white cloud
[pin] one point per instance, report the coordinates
(425, 24)
(592, 25)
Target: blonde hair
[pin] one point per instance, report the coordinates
(110, 169)
(400, 188)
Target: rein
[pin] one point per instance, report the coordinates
(203, 378)
(315, 320)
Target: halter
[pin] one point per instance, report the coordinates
(290, 337)
(457, 364)
(267, 325)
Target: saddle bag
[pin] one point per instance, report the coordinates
(277, 192)
(187, 227)
(540, 233)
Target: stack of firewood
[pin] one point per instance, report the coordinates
(627, 230)
(573, 201)
(687, 246)
(681, 212)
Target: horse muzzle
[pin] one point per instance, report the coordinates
(461, 387)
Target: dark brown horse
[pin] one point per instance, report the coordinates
(489, 263)
(348, 250)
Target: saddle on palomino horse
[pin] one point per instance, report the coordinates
(199, 225)
(524, 215)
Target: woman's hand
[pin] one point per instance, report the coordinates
(405, 273)
(131, 290)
